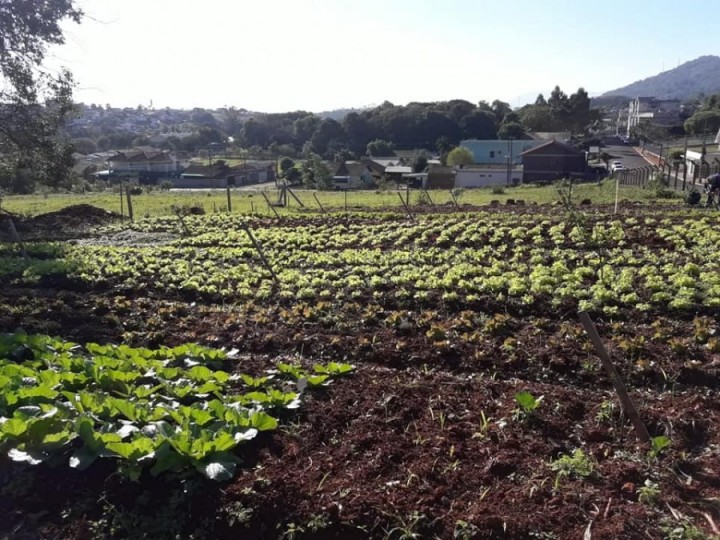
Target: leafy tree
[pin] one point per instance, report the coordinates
(344, 154)
(459, 156)
(84, 145)
(420, 162)
(255, 132)
(359, 132)
(540, 101)
(500, 109)
(285, 165)
(380, 148)
(479, 125)
(289, 172)
(579, 110)
(707, 121)
(537, 118)
(328, 137)
(304, 127)
(316, 173)
(511, 130)
(35, 102)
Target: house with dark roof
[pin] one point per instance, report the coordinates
(553, 161)
(255, 172)
(197, 176)
(354, 175)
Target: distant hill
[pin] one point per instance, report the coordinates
(699, 76)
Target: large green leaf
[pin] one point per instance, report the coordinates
(134, 450)
(14, 427)
(262, 421)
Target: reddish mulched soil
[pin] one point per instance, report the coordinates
(399, 447)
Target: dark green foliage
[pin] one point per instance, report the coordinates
(35, 102)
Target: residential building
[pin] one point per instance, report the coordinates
(484, 175)
(498, 152)
(355, 174)
(144, 159)
(553, 161)
(660, 112)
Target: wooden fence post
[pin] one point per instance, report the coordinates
(627, 404)
(16, 238)
(229, 199)
(182, 221)
(265, 262)
(407, 208)
(270, 204)
(319, 204)
(129, 203)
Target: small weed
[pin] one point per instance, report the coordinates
(292, 532)
(649, 493)
(464, 530)
(406, 528)
(318, 522)
(606, 412)
(577, 465)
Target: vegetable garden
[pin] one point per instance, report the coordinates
(363, 375)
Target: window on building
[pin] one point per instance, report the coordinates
(492, 153)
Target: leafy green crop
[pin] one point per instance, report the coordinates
(166, 410)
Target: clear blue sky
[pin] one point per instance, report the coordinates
(281, 55)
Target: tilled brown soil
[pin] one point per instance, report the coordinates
(422, 441)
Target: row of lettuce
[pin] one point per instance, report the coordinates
(167, 409)
(641, 263)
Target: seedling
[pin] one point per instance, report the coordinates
(484, 425)
(528, 404)
(658, 445)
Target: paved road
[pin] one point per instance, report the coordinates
(625, 153)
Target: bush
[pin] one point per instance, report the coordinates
(497, 190)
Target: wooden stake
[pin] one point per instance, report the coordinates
(292, 193)
(429, 198)
(16, 239)
(319, 204)
(262, 255)
(182, 221)
(269, 204)
(229, 199)
(407, 208)
(627, 404)
(122, 205)
(129, 202)
(454, 200)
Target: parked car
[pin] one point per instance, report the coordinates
(619, 167)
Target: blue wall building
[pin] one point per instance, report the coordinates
(498, 152)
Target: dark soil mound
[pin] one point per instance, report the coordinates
(61, 223)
